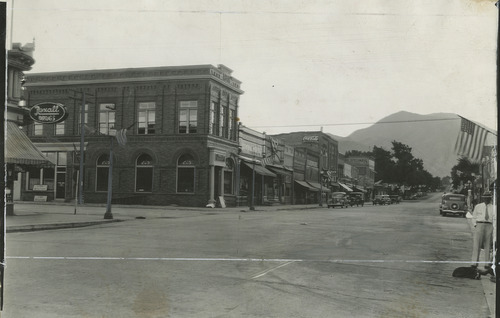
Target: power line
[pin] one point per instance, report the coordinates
(365, 123)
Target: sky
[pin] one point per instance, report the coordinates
(304, 65)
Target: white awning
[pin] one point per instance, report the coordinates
(345, 187)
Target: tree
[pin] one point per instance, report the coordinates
(463, 172)
(384, 164)
(399, 166)
(408, 169)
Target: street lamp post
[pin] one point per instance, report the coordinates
(108, 214)
(321, 188)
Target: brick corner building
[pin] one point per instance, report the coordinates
(176, 126)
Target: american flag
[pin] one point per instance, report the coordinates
(470, 140)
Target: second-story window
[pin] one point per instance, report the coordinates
(230, 125)
(146, 118)
(59, 128)
(188, 117)
(222, 122)
(37, 129)
(107, 119)
(211, 124)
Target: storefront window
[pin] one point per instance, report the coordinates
(228, 176)
(34, 177)
(144, 173)
(185, 174)
(102, 170)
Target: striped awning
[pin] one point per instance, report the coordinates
(20, 150)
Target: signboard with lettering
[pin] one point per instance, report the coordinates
(40, 187)
(40, 198)
(310, 139)
(217, 158)
(48, 113)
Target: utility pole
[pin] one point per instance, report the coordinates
(82, 142)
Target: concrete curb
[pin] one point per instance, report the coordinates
(55, 226)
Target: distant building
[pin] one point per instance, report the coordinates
(366, 173)
(315, 164)
(181, 135)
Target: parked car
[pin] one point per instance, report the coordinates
(454, 204)
(338, 199)
(382, 199)
(356, 198)
(395, 198)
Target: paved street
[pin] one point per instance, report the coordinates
(372, 261)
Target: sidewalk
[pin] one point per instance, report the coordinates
(488, 286)
(35, 216)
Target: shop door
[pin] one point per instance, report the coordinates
(60, 184)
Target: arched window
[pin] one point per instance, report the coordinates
(102, 171)
(228, 176)
(144, 173)
(185, 174)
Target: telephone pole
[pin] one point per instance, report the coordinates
(82, 141)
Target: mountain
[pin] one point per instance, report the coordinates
(432, 138)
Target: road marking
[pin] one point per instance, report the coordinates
(215, 259)
(270, 270)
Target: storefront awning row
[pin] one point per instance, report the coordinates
(20, 150)
(318, 186)
(260, 170)
(306, 185)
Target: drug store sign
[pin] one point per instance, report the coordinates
(48, 113)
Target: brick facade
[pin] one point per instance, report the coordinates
(212, 127)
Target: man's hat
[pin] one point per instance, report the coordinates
(487, 194)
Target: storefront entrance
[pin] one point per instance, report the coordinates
(61, 183)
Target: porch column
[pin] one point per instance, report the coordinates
(221, 190)
(211, 200)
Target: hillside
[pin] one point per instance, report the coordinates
(431, 137)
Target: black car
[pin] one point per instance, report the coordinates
(356, 199)
(338, 199)
(395, 198)
(382, 199)
(454, 204)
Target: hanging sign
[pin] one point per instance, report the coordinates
(48, 113)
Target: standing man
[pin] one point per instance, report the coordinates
(483, 219)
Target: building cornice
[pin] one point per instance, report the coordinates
(192, 72)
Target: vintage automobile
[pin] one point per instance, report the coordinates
(455, 204)
(356, 199)
(395, 198)
(382, 199)
(338, 199)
